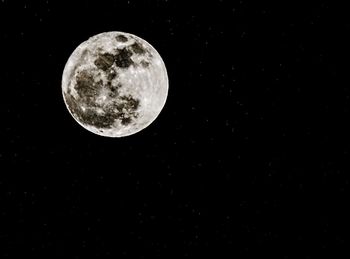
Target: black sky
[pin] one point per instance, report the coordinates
(250, 153)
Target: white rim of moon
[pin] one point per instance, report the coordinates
(115, 84)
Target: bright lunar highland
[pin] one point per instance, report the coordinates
(115, 84)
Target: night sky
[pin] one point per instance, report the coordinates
(250, 153)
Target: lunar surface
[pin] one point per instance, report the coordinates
(115, 84)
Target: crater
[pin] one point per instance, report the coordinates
(71, 103)
(144, 63)
(126, 121)
(91, 117)
(123, 58)
(125, 109)
(121, 38)
(85, 85)
(111, 74)
(130, 103)
(113, 89)
(137, 48)
(104, 61)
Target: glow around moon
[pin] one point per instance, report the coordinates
(115, 84)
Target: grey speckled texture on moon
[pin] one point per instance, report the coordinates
(115, 84)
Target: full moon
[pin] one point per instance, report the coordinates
(115, 84)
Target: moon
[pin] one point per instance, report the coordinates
(115, 84)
